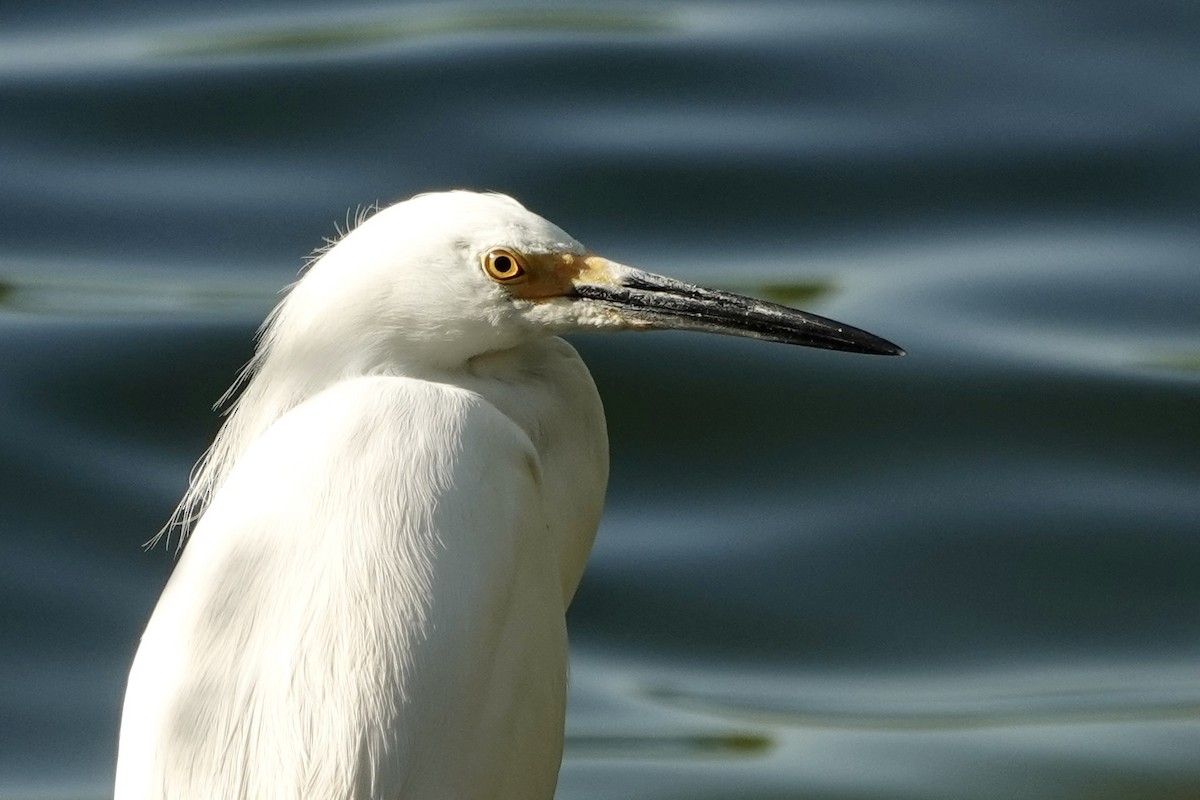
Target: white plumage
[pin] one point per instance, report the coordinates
(393, 520)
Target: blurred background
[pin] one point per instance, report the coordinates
(970, 573)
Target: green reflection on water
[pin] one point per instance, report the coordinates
(1182, 362)
(1054, 709)
(66, 294)
(732, 745)
(793, 294)
(413, 26)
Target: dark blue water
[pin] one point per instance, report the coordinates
(970, 573)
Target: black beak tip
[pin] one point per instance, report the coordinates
(875, 349)
(870, 344)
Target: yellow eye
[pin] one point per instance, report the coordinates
(503, 265)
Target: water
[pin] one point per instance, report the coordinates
(970, 573)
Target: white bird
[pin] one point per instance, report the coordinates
(395, 516)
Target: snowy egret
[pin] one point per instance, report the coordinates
(393, 520)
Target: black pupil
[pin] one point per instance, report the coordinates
(503, 264)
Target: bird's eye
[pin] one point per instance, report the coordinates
(503, 265)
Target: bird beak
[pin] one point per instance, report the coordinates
(645, 300)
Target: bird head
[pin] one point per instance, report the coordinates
(438, 279)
